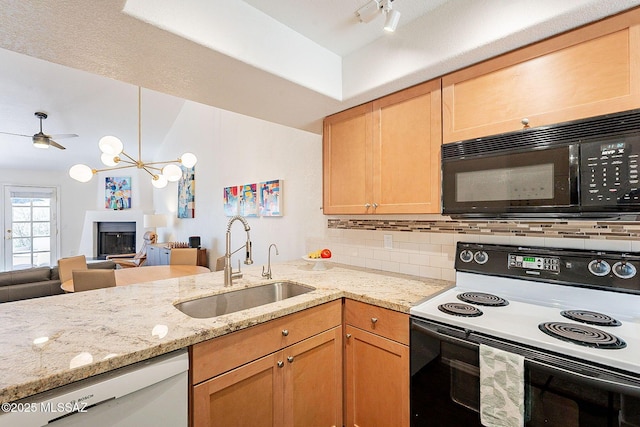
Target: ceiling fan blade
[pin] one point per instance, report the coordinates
(16, 134)
(55, 144)
(64, 135)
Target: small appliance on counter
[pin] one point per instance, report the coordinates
(194, 242)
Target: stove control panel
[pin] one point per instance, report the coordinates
(604, 270)
(532, 262)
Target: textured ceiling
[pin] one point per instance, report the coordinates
(80, 60)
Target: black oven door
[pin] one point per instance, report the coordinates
(536, 181)
(445, 389)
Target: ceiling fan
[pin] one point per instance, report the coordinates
(42, 140)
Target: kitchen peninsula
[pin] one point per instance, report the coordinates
(93, 332)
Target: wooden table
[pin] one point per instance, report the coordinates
(129, 276)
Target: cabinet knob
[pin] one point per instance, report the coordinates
(290, 359)
(280, 363)
(348, 335)
(375, 205)
(285, 332)
(367, 205)
(525, 122)
(374, 320)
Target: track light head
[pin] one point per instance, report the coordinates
(391, 23)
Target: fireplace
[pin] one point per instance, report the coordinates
(115, 238)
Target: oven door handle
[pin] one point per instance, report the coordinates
(617, 385)
(434, 333)
(590, 375)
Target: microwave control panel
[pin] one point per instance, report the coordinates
(609, 172)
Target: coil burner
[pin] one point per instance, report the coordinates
(590, 317)
(481, 298)
(582, 335)
(460, 309)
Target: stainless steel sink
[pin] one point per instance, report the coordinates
(229, 302)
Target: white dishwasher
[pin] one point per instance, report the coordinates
(149, 393)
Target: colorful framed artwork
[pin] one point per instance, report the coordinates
(231, 201)
(187, 193)
(248, 200)
(117, 192)
(271, 198)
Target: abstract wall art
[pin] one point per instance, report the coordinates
(249, 200)
(271, 198)
(264, 199)
(231, 201)
(187, 193)
(117, 192)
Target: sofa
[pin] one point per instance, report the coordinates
(36, 282)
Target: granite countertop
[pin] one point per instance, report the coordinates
(93, 332)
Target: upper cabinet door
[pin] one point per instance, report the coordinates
(587, 72)
(384, 157)
(347, 161)
(406, 150)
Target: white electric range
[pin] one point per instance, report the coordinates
(572, 314)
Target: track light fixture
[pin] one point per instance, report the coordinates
(374, 8)
(369, 11)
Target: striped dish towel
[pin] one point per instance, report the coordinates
(501, 388)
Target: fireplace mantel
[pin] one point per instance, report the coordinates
(89, 229)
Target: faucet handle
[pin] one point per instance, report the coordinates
(236, 274)
(266, 274)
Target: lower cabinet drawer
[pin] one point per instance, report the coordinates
(380, 321)
(218, 355)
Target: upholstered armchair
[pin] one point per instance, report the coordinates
(137, 259)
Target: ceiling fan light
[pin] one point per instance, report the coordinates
(172, 172)
(81, 173)
(188, 160)
(40, 141)
(391, 23)
(110, 145)
(159, 181)
(109, 159)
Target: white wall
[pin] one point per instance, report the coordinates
(233, 149)
(75, 200)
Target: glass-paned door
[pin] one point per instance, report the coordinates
(31, 227)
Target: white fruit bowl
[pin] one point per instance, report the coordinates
(318, 263)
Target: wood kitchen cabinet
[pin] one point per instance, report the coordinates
(286, 372)
(384, 156)
(586, 72)
(376, 366)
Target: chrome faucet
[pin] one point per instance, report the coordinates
(267, 274)
(229, 274)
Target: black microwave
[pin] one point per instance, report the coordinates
(583, 168)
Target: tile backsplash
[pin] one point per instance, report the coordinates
(426, 248)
